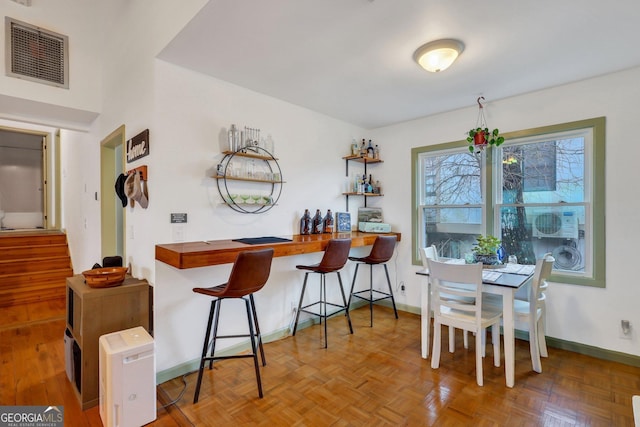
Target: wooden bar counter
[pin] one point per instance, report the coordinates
(215, 252)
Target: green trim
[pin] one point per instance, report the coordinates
(598, 125)
(587, 350)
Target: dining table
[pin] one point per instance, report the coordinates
(502, 280)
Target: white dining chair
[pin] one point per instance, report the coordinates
(431, 252)
(529, 314)
(465, 311)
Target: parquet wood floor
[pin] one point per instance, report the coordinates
(374, 377)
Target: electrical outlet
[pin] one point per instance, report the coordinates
(625, 330)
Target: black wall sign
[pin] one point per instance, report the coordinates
(138, 146)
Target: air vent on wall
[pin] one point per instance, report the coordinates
(36, 54)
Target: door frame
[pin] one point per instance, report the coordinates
(45, 170)
(110, 163)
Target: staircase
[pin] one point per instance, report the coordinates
(33, 266)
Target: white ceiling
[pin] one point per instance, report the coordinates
(352, 59)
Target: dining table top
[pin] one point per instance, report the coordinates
(509, 275)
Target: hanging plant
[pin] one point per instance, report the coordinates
(479, 137)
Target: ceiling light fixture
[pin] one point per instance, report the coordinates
(438, 55)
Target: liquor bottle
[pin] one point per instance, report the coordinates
(370, 185)
(305, 223)
(379, 187)
(328, 222)
(376, 152)
(370, 150)
(354, 148)
(363, 149)
(316, 228)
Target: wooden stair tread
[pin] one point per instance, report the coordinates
(33, 266)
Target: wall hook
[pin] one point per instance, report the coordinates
(478, 101)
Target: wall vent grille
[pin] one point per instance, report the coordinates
(36, 54)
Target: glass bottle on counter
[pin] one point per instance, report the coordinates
(316, 228)
(305, 223)
(328, 222)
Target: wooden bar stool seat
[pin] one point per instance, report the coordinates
(248, 275)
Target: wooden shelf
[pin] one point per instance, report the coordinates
(249, 155)
(92, 312)
(361, 159)
(363, 194)
(237, 178)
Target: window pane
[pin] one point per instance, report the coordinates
(544, 172)
(452, 230)
(451, 179)
(530, 232)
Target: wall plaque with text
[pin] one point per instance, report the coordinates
(138, 146)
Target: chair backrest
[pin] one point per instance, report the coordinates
(456, 287)
(539, 281)
(249, 273)
(430, 252)
(382, 249)
(335, 255)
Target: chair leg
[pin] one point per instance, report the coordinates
(495, 339)
(393, 301)
(344, 301)
(479, 378)
(205, 346)
(353, 285)
(533, 347)
(437, 337)
(257, 326)
(452, 339)
(254, 346)
(304, 286)
(542, 336)
(371, 295)
(218, 304)
(323, 306)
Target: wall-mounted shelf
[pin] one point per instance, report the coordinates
(365, 161)
(266, 176)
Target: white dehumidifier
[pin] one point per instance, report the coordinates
(127, 378)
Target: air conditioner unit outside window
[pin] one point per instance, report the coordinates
(563, 225)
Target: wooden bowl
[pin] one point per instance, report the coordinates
(105, 277)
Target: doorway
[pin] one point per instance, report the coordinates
(23, 184)
(112, 212)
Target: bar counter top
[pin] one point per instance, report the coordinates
(214, 252)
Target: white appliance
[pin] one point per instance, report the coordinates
(68, 354)
(127, 378)
(562, 225)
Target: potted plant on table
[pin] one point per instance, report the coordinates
(480, 137)
(486, 249)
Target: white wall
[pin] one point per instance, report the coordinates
(82, 22)
(575, 313)
(188, 114)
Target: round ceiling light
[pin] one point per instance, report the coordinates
(438, 55)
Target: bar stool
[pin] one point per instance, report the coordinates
(381, 252)
(248, 275)
(335, 257)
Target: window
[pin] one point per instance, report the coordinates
(547, 195)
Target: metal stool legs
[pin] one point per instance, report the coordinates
(322, 304)
(370, 298)
(254, 335)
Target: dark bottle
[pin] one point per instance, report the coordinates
(317, 223)
(305, 223)
(372, 188)
(370, 151)
(328, 222)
